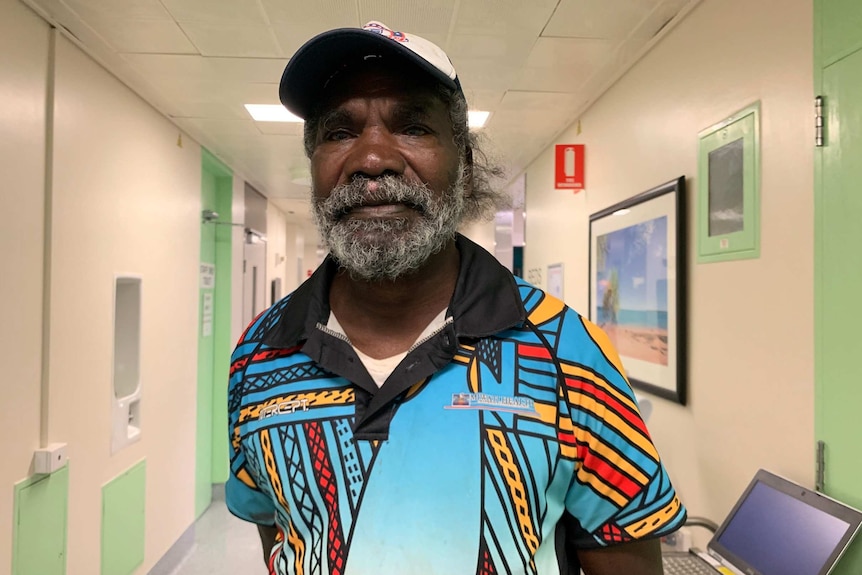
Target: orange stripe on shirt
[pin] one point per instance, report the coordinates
(624, 410)
(612, 419)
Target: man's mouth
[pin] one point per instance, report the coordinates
(380, 208)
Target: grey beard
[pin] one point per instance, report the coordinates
(387, 249)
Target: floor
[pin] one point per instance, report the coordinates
(224, 545)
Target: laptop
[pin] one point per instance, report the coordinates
(776, 528)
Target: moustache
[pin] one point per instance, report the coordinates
(387, 190)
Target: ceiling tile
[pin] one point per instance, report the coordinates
(497, 49)
(236, 128)
(143, 36)
(253, 70)
(280, 128)
(478, 74)
(487, 100)
(562, 64)
(124, 9)
(430, 19)
(232, 40)
(194, 108)
(234, 11)
(611, 19)
(314, 16)
(257, 92)
(294, 22)
(506, 18)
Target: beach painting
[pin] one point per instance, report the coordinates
(637, 286)
(632, 289)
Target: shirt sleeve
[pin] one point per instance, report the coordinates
(243, 496)
(621, 491)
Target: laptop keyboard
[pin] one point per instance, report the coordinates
(686, 565)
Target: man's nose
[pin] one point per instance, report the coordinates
(375, 153)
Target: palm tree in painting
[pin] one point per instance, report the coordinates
(611, 298)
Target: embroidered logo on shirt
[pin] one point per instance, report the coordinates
(512, 404)
(284, 408)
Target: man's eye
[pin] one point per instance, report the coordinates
(416, 130)
(336, 135)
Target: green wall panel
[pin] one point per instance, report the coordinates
(837, 264)
(216, 347)
(223, 344)
(124, 521)
(843, 20)
(39, 529)
(204, 438)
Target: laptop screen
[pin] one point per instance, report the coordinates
(780, 528)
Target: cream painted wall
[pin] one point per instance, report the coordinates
(24, 41)
(126, 200)
(750, 322)
(482, 233)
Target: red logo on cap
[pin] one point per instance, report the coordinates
(376, 28)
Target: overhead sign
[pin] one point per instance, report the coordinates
(569, 167)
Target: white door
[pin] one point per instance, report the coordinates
(254, 277)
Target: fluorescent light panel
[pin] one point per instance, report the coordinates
(278, 113)
(271, 113)
(477, 118)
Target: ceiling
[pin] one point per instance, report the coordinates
(536, 65)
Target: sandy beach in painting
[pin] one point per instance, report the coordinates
(644, 343)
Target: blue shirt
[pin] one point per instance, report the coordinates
(501, 444)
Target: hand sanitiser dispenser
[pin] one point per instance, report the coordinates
(126, 396)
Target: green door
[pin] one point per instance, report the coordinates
(206, 348)
(838, 256)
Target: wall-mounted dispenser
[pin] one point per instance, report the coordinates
(126, 384)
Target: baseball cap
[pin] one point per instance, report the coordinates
(321, 58)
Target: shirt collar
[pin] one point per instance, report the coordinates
(485, 302)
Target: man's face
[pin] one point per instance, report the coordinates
(387, 180)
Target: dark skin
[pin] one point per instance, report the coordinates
(378, 123)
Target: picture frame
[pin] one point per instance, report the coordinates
(637, 274)
(728, 184)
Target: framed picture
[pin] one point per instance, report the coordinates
(637, 286)
(728, 188)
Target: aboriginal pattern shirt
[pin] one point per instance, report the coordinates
(503, 443)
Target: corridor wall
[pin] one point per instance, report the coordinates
(119, 188)
(24, 40)
(750, 343)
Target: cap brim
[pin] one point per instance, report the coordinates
(317, 61)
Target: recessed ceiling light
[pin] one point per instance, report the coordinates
(271, 113)
(477, 118)
(278, 113)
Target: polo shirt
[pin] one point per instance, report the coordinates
(502, 443)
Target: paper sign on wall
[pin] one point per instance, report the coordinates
(569, 167)
(207, 315)
(207, 272)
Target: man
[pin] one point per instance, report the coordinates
(413, 408)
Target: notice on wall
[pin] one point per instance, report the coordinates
(207, 272)
(569, 167)
(555, 280)
(207, 315)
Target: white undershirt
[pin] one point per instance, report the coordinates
(380, 369)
